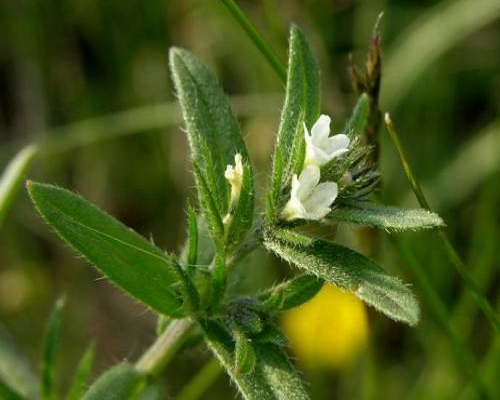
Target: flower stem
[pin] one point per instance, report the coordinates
(161, 352)
(457, 262)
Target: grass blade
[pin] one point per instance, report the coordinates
(254, 35)
(82, 374)
(460, 267)
(13, 176)
(50, 350)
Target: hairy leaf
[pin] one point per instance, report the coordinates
(50, 351)
(82, 374)
(213, 132)
(121, 382)
(273, 377)
(301, 106)
(124, 257)
(388, 218)
(348, 270)
(357, 122)
(291, 293)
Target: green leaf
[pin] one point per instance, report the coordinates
(348, 270)
(124, 257)
(302, 104)
(82, 374)
(15, 371)
(13, 176)
(389, 218)
(121, 382)
(152, 392)
(273, 377)
(213, 132)
(291, 293)
(7, 393)
(50, 351)
(192, 245)
(359, 117)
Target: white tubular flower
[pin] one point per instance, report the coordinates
(308, 199)
(320, 147)
(234, 176)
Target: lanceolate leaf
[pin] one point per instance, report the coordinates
(124, 257)
(301, 106)
(388, 218)
(213, 132)
(50, 351)
(292, 293)
(348, 270)
(273, 376)
(121, 382)
(357, 122)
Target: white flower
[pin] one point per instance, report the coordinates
(320, 147)
(308, 199)
(234, 176)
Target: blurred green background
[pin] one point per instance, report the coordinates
(104, 63)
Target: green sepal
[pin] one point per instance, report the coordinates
(356, 124)
(127, 259)
(82, 374)
(244, 354)
(50, 352)
(273, 377)
(213, 133)
(301, 106)
(391, 219)
(348, 270)
(291, 293)
(120, 382)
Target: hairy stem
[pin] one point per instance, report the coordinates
(161, 352)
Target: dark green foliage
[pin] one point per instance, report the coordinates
(301, 106)
(213, 133)
(124, 257)
(291, 293)
(389, 218)
(82, 374)
(348, 270)
(272, 378)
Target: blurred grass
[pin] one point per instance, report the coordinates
(74, 73)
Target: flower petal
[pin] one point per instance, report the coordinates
(321, 129)
(308, 180)
(337, 144)
(322, 197)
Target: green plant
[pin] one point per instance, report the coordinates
(316, 180)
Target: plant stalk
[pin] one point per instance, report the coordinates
(456, 261)
(161, 352)
(254, 35)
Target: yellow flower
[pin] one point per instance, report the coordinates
(329, 330)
